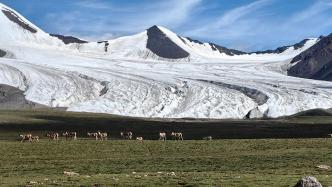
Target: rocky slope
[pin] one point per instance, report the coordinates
(314, 63)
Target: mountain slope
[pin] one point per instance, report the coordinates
(16, 29)
(314, 63)
(161, 45)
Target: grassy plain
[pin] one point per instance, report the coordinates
(264, 153)
(273, 162)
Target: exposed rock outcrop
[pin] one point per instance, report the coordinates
(308, 181)
(12, 16)
(162, 46)
(314, 63)
(68, 39)
(2, 53)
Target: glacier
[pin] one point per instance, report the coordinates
(122, 76)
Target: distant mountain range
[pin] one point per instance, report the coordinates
(158, 37)
(159, 43)
(313, 62)
(163, 46)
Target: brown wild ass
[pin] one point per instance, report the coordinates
(35, 138)
(162, 136)
(98, 135)
(177, 135)
(70, 135)
(126, 135)
(25, 137)
(53, 136)
(102, 135)
(93, 135)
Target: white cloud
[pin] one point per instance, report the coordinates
(233, 22)
(170, 13)
(312, 20)
(236, 14)
(311, 12)
(177, 12)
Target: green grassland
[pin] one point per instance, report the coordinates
(265, 152)
(153, 163)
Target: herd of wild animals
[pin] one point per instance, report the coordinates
(54, 136)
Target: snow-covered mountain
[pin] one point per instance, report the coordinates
(16, 29)
(155, 73)
(156, 43)
(159, 43)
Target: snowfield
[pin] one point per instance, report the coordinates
(129, 79)
(161, 89)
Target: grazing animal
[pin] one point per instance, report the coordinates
(126, 135)
(330, 135)
(177, 135)
(139, 138)
(70, 135)
(93, 134)
(162, 136)
(35, 138)
(25, 137)
(102, 135)
(208, 138)
(53, 136)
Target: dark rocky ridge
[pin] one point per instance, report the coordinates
(2, 53)
(16, 19)
(162, 46)
(283, 49)
(215, 47)
(314, 63)
(68, 39)
(12, 98)
(192, 40)
(230, 52)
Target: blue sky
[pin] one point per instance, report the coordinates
(242, 24)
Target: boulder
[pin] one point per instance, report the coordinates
(308, 181)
